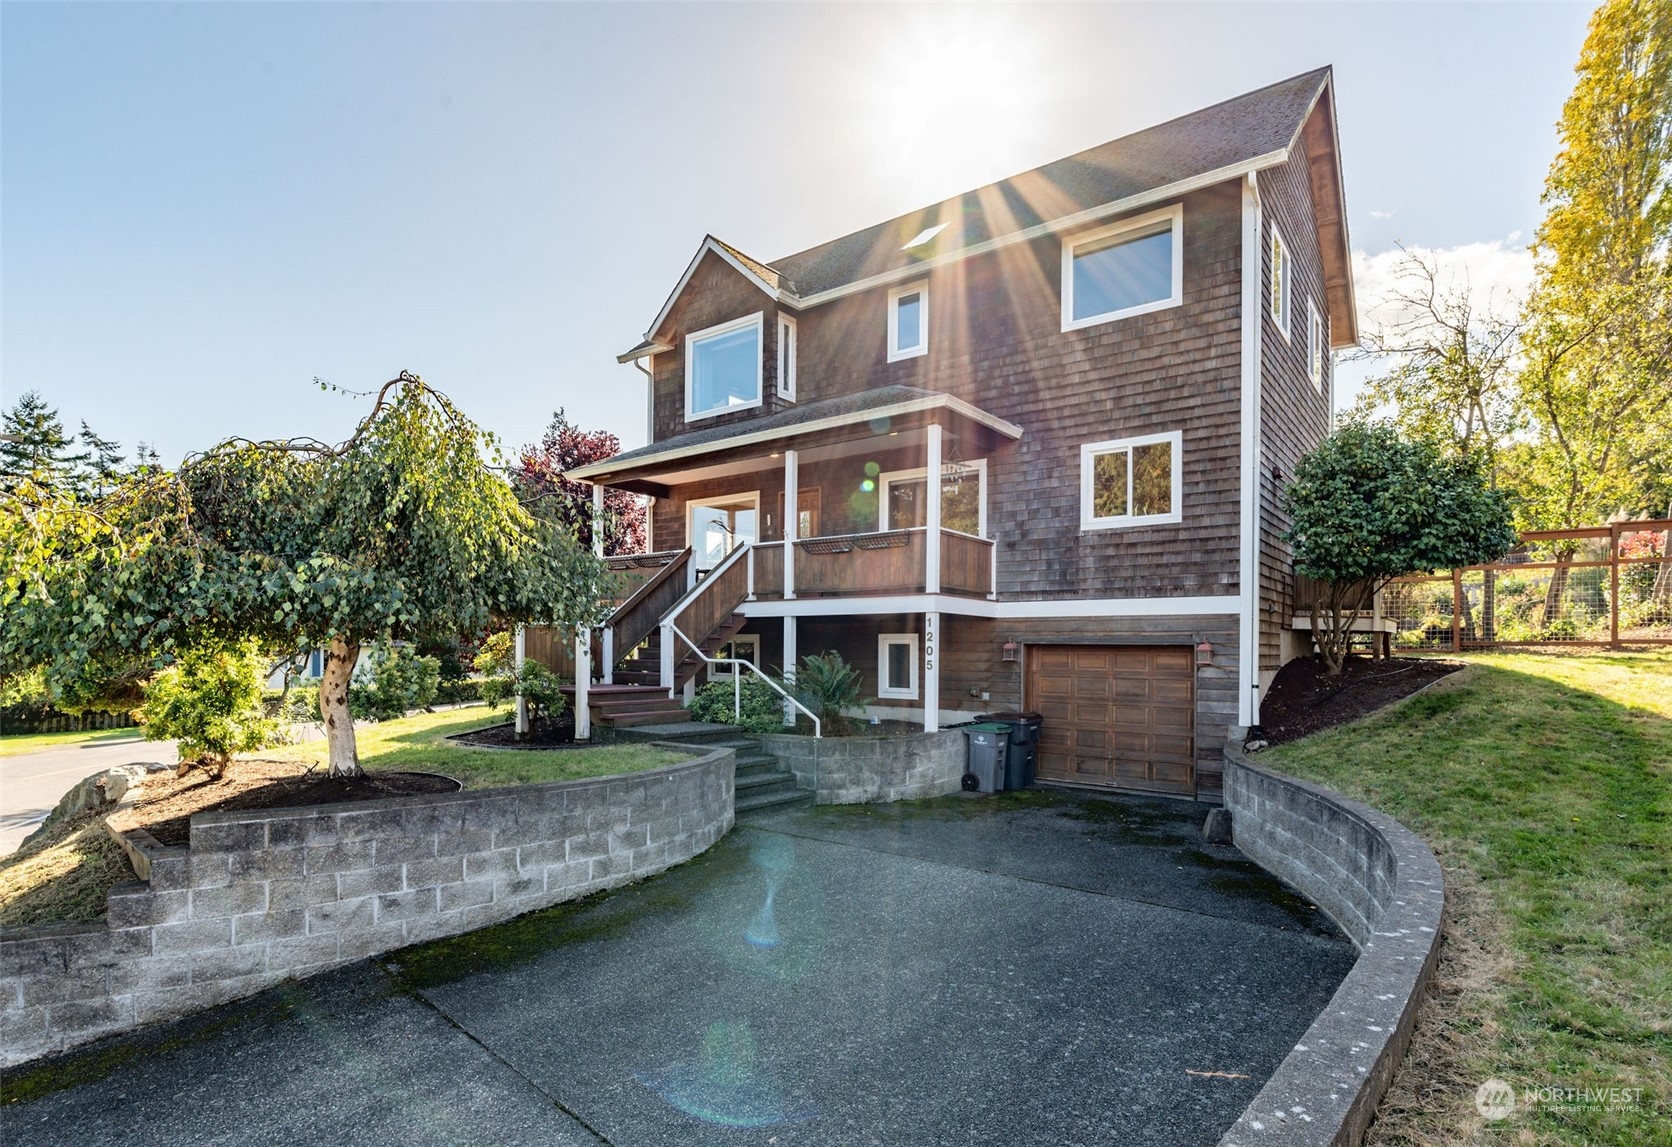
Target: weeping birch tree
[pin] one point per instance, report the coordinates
(402, 529)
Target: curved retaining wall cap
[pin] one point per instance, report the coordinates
(1381, 883)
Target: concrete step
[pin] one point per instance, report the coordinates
(773, 801)
(658, 717)
(684, 733)
(755, 783)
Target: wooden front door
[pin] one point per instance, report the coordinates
(1116, 716)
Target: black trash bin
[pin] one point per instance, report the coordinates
(1024, 746)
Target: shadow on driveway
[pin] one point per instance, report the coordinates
(1036, 968)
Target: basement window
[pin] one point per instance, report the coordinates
(897, 666)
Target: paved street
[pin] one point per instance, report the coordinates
(1029, 970)
(32, 784)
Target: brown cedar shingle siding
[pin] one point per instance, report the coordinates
(1294, 417)
(995, 339)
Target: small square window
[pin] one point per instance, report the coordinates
(1131, 482)
(1280, 285)
(897, 666)
(908, 322)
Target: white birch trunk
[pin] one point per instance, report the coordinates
(340, 657)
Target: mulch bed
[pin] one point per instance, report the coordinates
(166, 808)
(1304, 699)
(542, 734)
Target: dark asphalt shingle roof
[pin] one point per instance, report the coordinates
(1240, 129)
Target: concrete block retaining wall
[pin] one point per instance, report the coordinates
(1381, 883)
(275, 894)
(865, 770)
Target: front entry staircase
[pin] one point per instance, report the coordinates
(640, 705)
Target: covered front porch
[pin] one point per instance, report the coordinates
(889, 490)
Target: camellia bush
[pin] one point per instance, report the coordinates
(762, 705)
(1368, 506)
(211, 701)
(503, 682)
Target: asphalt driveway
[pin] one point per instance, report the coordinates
(1028, 969)
(32, 784)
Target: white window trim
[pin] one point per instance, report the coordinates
(884, 640)
(1281, 320)
(786, 357)
(1150, 222)
(753, 655)
(753, 497)
(1315, 346)
(883, 481)
(897, 353)
(756, 320)
(1087, 500)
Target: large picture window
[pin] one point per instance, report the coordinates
(1131, 482)
(723, 368)
(1130, 268)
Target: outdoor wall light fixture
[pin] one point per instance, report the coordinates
(1204, 654)
(1010, 651)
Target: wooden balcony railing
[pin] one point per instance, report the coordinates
(886, 562)
(637, 617)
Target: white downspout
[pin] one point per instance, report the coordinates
(1248, 577)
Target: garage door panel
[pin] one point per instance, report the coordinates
(1122, 716)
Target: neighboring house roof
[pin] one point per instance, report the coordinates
(1246, 133)
(829, 413)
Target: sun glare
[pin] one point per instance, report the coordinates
(951, 100)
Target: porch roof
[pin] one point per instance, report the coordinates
(830, 420)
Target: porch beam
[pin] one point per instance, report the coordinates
(792, 517)
(789, 662)
(597, 520)
(932, 517)
(522, 705)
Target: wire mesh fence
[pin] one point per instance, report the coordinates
(1603, 585)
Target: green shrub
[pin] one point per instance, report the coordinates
(458, 691)
(763, 706)
(830, 687)
(297, 705)
(502, 683)
(210, 701)
(392, 681)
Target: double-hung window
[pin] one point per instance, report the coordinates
(1317, 346)
(908, 321)
(1128, 268)
(1131, 482)
(723, 368)
(786, 357)
(897, 666)
(1281, 287)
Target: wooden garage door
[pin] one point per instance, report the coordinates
(1117, 716)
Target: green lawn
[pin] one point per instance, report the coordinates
(1544, 783)
(416, 743)
(15, 744)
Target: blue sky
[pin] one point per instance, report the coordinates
(203, 207)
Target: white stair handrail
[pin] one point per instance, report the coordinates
(737, 681)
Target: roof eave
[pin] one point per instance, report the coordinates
(751, 438)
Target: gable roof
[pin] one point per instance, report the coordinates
(1229, 139)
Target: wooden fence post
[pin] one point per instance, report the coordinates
(1456, 611)
(1614, 586)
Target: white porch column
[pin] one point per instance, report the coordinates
(932, 517)
(583, 685)
(790, 659)
(931, 672)
(522, 706)
(597, 520)
(792, 517)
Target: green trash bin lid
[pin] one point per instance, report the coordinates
(986, 727)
